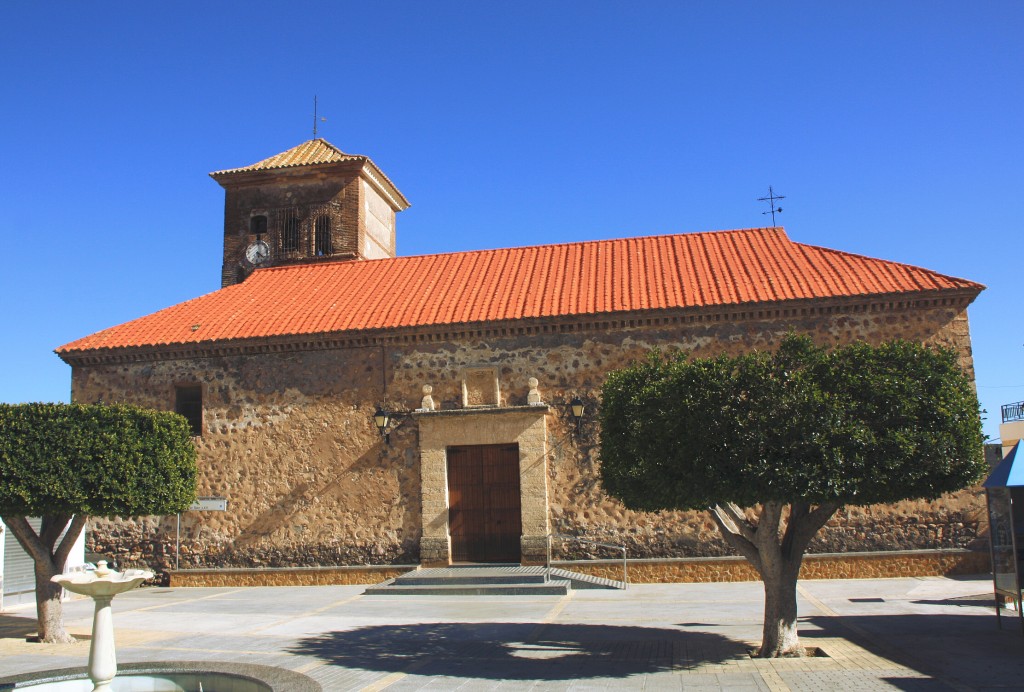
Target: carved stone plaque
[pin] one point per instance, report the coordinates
(480, 387)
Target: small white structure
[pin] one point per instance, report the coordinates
(102, 585)
(533, 397)
(17, 571)
(427, 402)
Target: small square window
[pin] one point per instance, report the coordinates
(188, 401)
(258, 225)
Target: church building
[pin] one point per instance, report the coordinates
(356, 407)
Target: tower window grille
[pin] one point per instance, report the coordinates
(290, 232)
(322, 236)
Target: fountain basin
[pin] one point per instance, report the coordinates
(102, 582)
(176, 676)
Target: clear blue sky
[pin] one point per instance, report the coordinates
(893, 129)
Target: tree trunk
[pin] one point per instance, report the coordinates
(49, 609)
(777, 561)
(49, 558)
(779, 635)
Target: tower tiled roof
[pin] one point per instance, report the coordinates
(312, 153)
(698, 270)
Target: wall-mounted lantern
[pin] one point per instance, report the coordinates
(381, 419)
(577, 408)
(386, 421)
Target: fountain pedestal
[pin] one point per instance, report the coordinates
(102, 585)
(102, 656)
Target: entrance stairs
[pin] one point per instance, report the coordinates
(489, 580)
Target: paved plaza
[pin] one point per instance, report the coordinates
(925, 634)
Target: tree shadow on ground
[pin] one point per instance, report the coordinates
(26, 628)
(960, 647)
(984, 600)
(519, 651)
(15, 627)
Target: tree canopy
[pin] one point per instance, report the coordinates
(96, 460)
(857, 425)
(792, 436)
(65, 462)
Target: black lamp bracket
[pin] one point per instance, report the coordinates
(387, 421)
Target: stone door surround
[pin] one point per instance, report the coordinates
(522, 425)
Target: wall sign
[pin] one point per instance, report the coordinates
(209, 504)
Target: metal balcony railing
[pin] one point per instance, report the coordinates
(1012, 412)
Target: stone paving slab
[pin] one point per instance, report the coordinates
(925, 634)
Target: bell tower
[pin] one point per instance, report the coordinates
(312, 203)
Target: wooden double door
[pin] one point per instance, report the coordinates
(484, 506)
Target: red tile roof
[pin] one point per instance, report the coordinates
(599, 277)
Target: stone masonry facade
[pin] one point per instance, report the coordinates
(289, 441)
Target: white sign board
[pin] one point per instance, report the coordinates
(209, 504)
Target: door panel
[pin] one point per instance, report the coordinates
(484, 511)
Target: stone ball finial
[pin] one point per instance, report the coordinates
(427, 403)
(533, 398)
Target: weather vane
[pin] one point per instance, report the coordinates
(315, 119)
(771, 200)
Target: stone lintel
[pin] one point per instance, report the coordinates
(481, 411)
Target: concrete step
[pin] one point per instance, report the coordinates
(489, 580)
(506, 574)
(392, 587)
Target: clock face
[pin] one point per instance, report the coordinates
(257, 252)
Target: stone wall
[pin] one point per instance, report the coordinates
(297, 576)
(288, 439)
(875, 565)
(377, 236)
(917, 563)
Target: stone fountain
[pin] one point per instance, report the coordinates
(189, 676)
(102, 584)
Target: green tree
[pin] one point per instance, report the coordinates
(774, 443)
(66, 462)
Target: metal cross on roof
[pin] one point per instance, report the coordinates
(771, 200)
(315, 119)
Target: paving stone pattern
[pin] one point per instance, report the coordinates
(925, 634)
